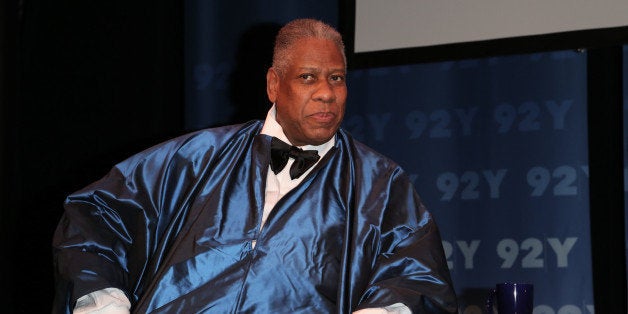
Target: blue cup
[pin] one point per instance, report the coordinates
(511, 298)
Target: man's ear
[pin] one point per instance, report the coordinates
(272, 84)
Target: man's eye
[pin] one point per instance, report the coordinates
(306, 77)
(337, 78)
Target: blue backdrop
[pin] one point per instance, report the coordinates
(496, 147)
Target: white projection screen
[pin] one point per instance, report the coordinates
(391, 25)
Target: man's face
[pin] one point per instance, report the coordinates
(310, 96)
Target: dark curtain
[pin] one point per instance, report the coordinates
(84, 85)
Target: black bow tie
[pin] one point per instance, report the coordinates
(281, 151)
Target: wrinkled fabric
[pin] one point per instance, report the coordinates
(172, 227)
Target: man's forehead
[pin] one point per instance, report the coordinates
(321, 68)
(306, 42)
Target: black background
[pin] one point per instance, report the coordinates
(83, 85)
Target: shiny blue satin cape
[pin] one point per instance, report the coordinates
(172, 227)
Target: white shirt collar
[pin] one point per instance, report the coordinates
(272, 128)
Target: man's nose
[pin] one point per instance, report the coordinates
(325, 92)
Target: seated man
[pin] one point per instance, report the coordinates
(237, 220)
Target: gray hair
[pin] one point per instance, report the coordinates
(301, 29)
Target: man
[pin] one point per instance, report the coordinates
(216, 222)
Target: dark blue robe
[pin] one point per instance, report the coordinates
(172, 227)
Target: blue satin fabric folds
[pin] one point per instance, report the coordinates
(172, 227)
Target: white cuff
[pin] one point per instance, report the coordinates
(105, 301)
(397, 308)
